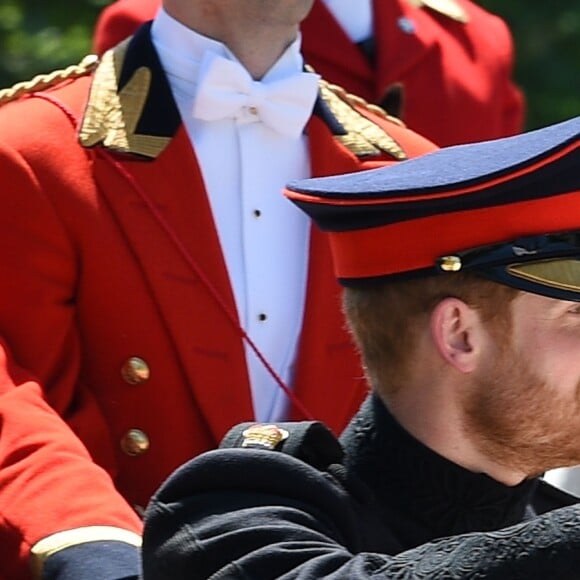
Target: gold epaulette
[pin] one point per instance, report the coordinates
(363, 137)
(45, 81)
(450, 8)
(361, 103)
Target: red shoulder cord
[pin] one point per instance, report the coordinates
(186, 255)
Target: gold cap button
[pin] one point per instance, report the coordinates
(450, 263)
(135, 371)
(135, 442)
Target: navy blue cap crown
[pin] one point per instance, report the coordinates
(490, 206)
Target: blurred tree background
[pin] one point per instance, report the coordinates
(547, 42)
(41, 35)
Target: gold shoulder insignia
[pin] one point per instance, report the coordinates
(264, 436)
(45, 81)
(111, 116)
(450, 8)
(363, 137)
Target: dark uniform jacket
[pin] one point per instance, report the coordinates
(308, 512)
(425, 496)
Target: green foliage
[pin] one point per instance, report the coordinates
(547, 41)
(39, 36)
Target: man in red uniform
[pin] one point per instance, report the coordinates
(157, 286)
(444, 67)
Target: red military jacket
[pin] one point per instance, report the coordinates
(116, 300)
(444, 66)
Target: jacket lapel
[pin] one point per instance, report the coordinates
(404, 36)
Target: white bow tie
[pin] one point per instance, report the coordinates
(226, 90)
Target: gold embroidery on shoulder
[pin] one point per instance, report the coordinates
(111, 116)
(45, 81)
(450, 8)
(357, 101)
(363, 136)
(264, 436)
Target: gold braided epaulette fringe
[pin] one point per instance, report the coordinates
(45, 81)
(363, 136)
(361, 103)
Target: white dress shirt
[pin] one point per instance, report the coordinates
(264, 237)
(354, 16)
(566, 478)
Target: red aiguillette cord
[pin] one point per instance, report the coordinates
(186, 255)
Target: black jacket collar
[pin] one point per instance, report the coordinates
(421, 494)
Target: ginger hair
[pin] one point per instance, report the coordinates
(385, 319)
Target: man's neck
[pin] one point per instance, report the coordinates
(440, 425)
(255, 41)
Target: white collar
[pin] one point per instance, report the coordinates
(354, 16)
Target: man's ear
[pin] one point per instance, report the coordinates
(456, 333)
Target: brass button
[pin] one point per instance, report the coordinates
(135, 442)
(135, 371)
(450, 263)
